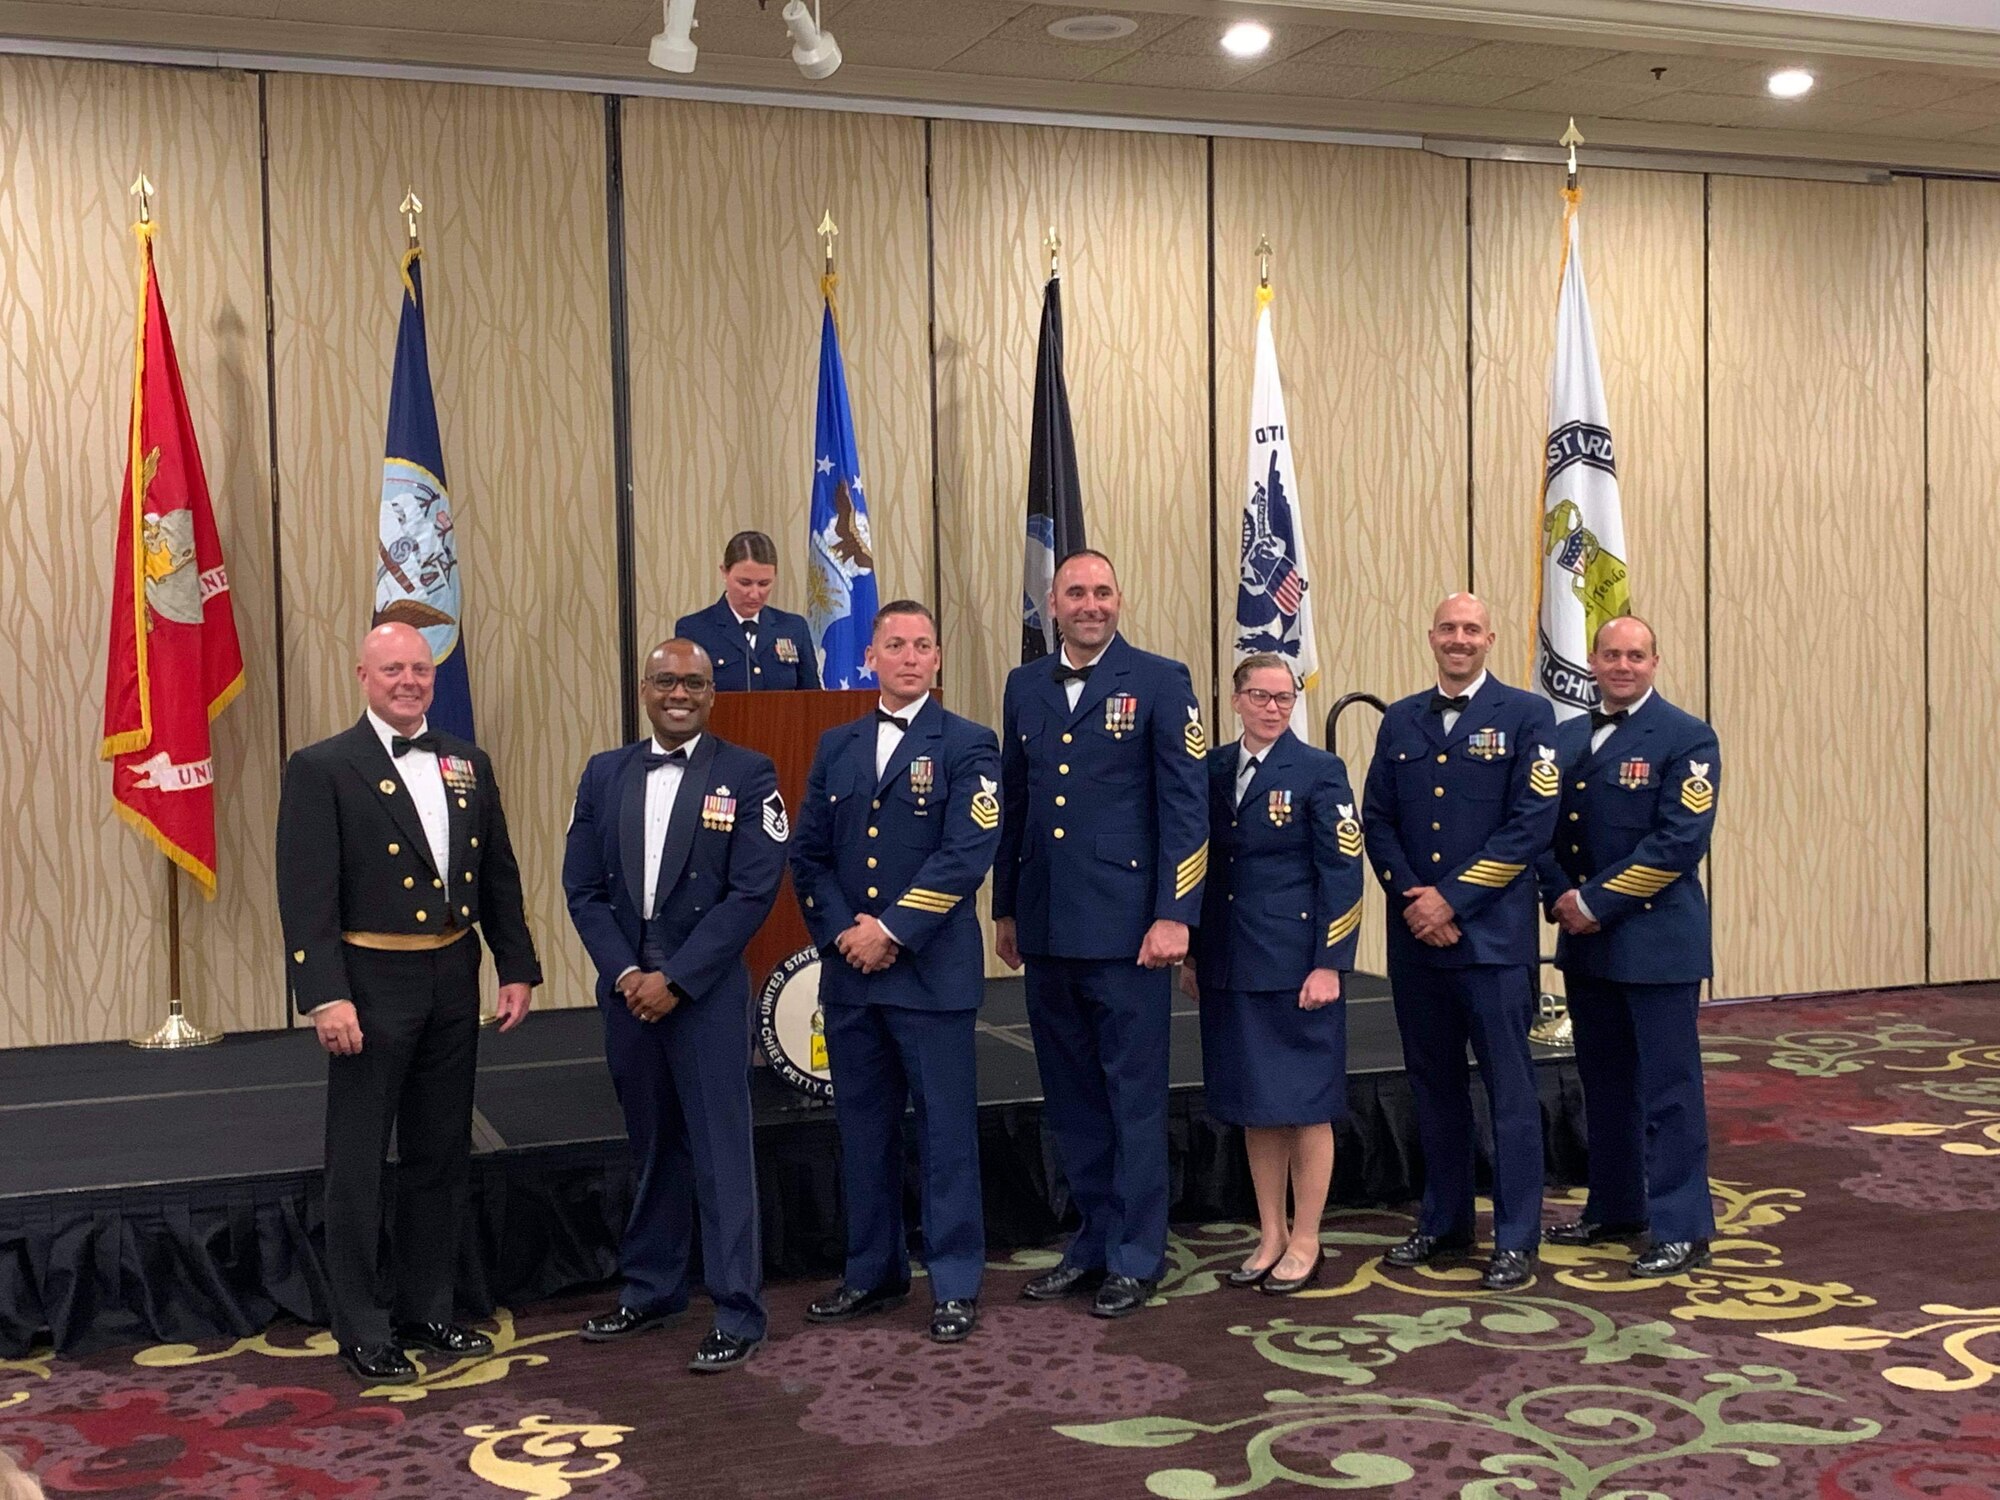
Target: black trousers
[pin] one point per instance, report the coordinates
(419, 1015)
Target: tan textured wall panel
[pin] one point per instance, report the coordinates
(1132, 213)
(1370, 328)
(1964, 428)
(83, 954)
(517, 292)
(724, 308)
(1816, 484)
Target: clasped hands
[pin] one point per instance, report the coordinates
(1568, 914)
(867, 945)
(1430, 917)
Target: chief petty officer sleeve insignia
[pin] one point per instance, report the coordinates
(1191, 871)
(1194, 736)
(1348, 832)
(1698, 792)
(986, 805)
(1544, 779)
(777, 825)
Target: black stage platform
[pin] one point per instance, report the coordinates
(148, 1197)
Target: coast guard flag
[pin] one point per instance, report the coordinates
(1273, 607)
(1055, 498)
(416, 553)
(840, 585)
(175, 662)
(1580, 579)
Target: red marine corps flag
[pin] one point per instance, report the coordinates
(175, 663)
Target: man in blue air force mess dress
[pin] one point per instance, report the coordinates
(753, 645)
(897, 832)
(1460, 802)
(1623, 883)
(1103, 847)
(675, 853)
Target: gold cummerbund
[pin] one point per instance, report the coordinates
(404, 942)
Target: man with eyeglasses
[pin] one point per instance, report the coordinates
(675, 852)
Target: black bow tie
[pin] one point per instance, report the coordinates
(1441, 704)
(400, 747)
(1075, 674)
(1599, 718)
(654, 760)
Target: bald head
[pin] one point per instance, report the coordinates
(1461, 635)
(677, 691)
(397, 675)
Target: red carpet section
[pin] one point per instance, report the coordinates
(1845, 1344)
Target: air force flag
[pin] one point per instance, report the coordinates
(1273, 607)
(840, 584)
(1580, 575)
(416, 553)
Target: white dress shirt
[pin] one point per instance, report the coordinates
(1073, 689)
(663, 789)
(1471, 690)
(1604, 732)
(888, 736)
(418, 771)
(1246, 768)
(750, 625)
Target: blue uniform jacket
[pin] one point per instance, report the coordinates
(1467, 812)
(910, 848)
(1283, 895)
(724, 858)
(785, 657)
(1636, 819)
(1104, 824)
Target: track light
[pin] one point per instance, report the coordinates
(813, 49)
(672, 50)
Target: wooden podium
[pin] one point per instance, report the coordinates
(785, 726)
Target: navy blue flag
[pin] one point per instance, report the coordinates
(840, 584)
(1055, 498)
(416, 553)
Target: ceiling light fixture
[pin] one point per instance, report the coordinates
(813, 49)
(1247, 39)
(1789, 83)
(672, 50)
(1092, 28)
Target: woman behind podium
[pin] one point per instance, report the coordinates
(753, 645)
(1279, 912)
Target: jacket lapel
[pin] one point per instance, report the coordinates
(923, 734)
(687, 812)
(1627, 741)
(632, 825)
(1108, 675)
(380, 770)
(1271, 770)
(1475, 711)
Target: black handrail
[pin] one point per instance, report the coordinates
(1341, 705)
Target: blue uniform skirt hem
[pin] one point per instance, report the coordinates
(1266, 1063)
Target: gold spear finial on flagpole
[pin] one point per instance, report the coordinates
(1571, 138)
(826, 231)
(142, 189)
(1052, 242)
(409, 208)
(1263, 263)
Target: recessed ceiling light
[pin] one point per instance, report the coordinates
(1789, 83)
(1246, 39)
(1092, 28)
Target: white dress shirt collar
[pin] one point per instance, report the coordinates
(1469, 691)
(687, 745)
(908, 712)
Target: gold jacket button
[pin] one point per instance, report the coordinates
(388, 787)
(1574, 816)
(298, 955)
(422, 915)
(437, 883)
(1067, 738)
(475, 843)
(1062, 801)
(398, 848)
(461, 802)
(465, 911)
(1574, 849)
(1135, 864)
(873, 893)
(876, 805)
(871, 861)
(1443, 758)
(1437, 858)
(1059, 833)
(1583, 786)
(468, 877)
(1437, 828)
(1649, 906)
(409, 882)
(809, 901)
(1437, 791)
(874, 833)
(1063, 769)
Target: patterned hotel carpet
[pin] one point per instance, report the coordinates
(1846, 1343)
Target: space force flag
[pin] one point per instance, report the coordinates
(175, 662)
(1273, 589)
(1580, 576)
(840, 585)
(1055, 497)
(416, 551)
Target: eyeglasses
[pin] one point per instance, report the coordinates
(1263, 699)
(664, 683)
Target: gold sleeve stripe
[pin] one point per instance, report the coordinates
(1341, 927)
(1492, 873)
(919, 899)
(1191, 872)
(1641, 881)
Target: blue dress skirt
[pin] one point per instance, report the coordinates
(1266, 1062)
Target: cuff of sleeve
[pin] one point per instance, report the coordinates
(1583, 906)
(628, 969)
(322, 1006)
(891, 932)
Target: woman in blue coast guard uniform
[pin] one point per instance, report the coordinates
(752, 644)
(1276, 939)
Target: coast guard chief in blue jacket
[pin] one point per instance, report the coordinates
(1623, 883)
(901, 818)
(1103, 847)
(1460, 803)
(754, 646)
(675, 852)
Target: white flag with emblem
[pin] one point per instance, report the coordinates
(1580, 577)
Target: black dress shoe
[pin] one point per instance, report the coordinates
(1241, 1277)
(1121, 1296)
(443, 1338)
(1420, 1249)
(378, 1364)
(953, 1320)
(845, 1302)
(1064, 1281)
(1508, 1269)
(622, 1322)
(1671, 1257)
(721, 1351)
(1584, 1232)
(1284, 1286)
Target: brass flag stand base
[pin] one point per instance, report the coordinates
(177, 1032)
(1552, 1027)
